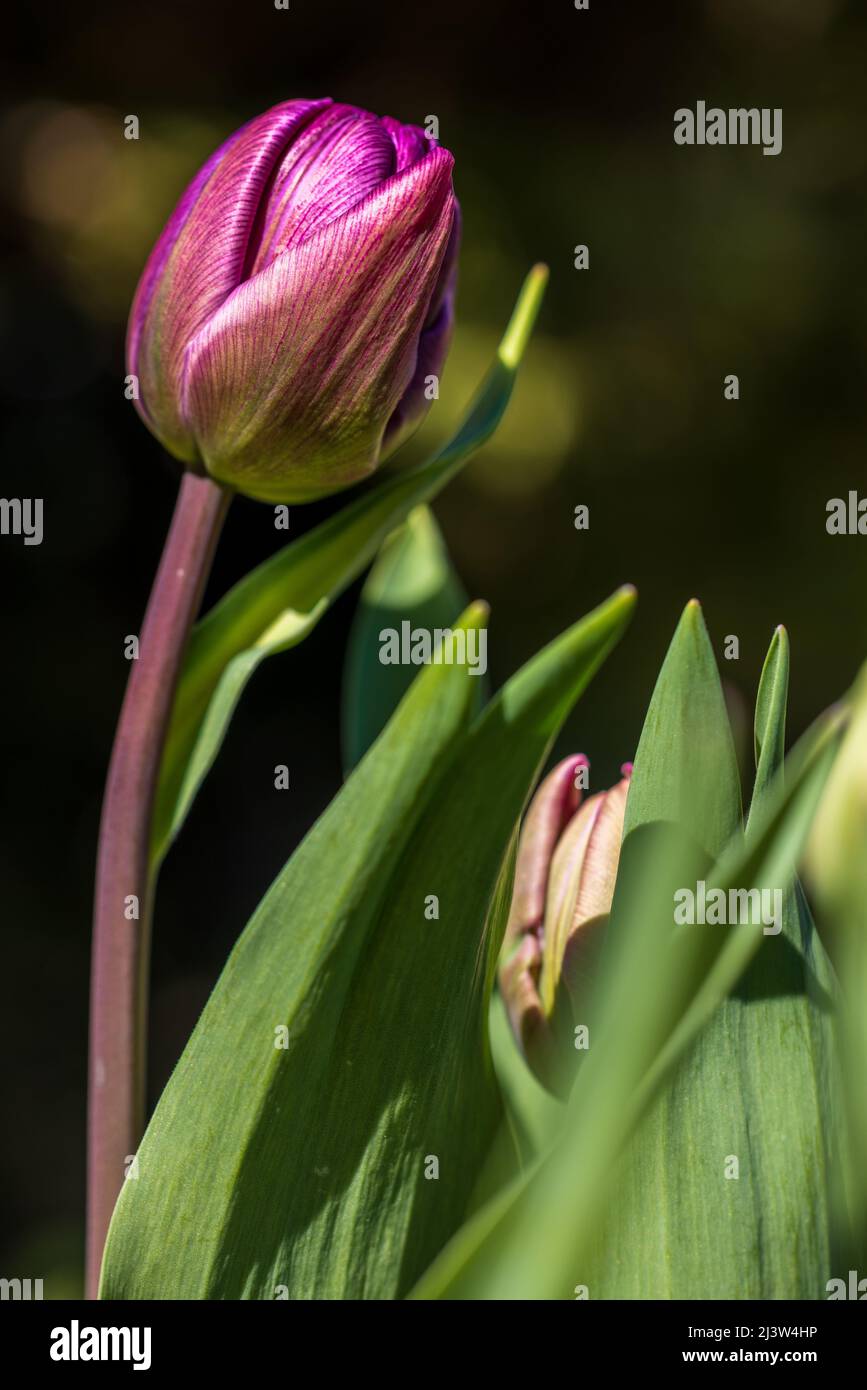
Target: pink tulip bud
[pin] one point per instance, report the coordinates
(568, 853)
(291, 315)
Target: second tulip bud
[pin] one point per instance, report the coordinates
(568, 854)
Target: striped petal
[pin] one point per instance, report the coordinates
(289, 386)
(433, 346)
(336, 161)
(410, 142)
(200, 260)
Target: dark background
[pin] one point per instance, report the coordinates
(703, 262)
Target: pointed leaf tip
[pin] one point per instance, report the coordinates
(524, 315)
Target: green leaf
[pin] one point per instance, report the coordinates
(411, 581)
(548, 1233)
(292, 967)
(770, 722)
(304, 1167)
(686, 743)
(685, 778)
(204, 741)
(278, 603)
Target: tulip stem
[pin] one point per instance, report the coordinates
(124, 873)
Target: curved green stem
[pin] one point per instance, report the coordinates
(124, 878)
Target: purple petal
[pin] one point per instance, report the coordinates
(289, 386)
(433, 347)
(411, 143)
(340, 158)
(200, 259)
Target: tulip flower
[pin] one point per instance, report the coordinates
(568, 854)
(299, 299)
(282, 338)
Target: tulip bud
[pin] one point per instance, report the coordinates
(568, 853)
(297, 300)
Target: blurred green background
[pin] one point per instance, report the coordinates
(703, 262)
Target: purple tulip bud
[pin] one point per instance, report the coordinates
(568, 854)
(297, 300)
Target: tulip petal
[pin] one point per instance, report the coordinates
(601, 858)
(200, 259)
(581, 882)
(551, 809)
(531, 1029)
(288, 386)
(564, 879)
(433, 346)
(340, 158)
(410, 142)
(595, 895)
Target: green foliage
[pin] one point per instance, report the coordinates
(733, 1157)
(303, 1166)
(679, 1076)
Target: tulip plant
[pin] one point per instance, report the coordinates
(463, 1048)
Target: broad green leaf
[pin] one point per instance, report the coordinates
(541, 1238)
(412, 581)
(685, 777)
(303, 1167)
(296, 957)
(278, 603)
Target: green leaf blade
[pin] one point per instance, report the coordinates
(686, 744)
(770, 719)
(275, 978)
